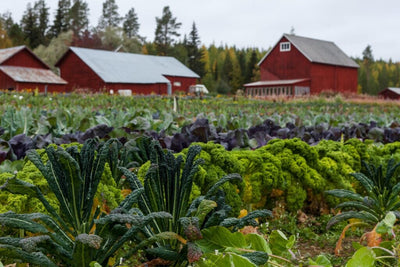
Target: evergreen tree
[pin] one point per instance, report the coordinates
(30, 27)
(79, 17)
(42, 14)
(110, 16)
(194, 53)
(251, 65)
(367, 62)
(61, 21)
(166, 30)
(131, 24)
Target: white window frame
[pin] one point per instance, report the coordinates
(285, 46)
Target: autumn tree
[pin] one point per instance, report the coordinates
(166, 31)
(131, 24)
(110, 16)
(5, 41)
(62, 19)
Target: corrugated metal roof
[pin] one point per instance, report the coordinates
(117, 67)
(33, 75)
(319, 51)
(275, 82)
(9, 52)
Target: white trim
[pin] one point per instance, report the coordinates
(284, 47)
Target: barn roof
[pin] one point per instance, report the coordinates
(32, 75)
(275, 82)
(319, 51)
(7, 53)
(395, 90)
(118, 67)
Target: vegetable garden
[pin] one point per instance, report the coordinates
(104, 180)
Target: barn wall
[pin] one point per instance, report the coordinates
(24, 59)
(79, 75)
(144, 89)
(56, 88)
(184, 82)
(285, 65)
(6, 82)
(336, 78)
(387, 94)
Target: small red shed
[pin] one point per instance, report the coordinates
(390, 93)
(21, 69)
(100, 70)
(299, 65)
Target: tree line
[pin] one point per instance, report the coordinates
(222, 68)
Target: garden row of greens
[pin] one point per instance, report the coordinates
(286, 173)
(36, 121)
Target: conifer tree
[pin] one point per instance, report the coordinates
(79, 17)
(166, 30)
(110, 16)
(194, 53)
(29, 25)
(131, 24)
(42, 13)
(62, 19)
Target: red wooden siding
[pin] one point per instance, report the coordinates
(24, 59)
(285, 65)
(79, 75)
(293, 64)
(184, 82)
(8, 83)
(157, 88)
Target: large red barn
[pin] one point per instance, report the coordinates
(300, 65)
(100, 70)
(21, 69)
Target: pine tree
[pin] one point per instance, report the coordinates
(131, 24)
(79, 17)
(166, 30)
(42, 13)
(110, 16)
(194, 53)
(251, 66)
(61, 21)
(29, 25)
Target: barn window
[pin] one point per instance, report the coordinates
(177, 84)
(285, 46)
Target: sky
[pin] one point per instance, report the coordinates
(350, 24)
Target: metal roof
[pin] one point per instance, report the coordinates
(276, 82)
(33, 75)
(394, 90)
(118, 67)
(9, 52)
(319, 51)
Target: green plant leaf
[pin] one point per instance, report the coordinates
(279, 243)
(220, 238)
(364, 257)
(386, 225)
(223, 260)
(320, 261)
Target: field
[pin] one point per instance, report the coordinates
(125, 181)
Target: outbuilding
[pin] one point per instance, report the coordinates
(300, 65)
(390, 93)
(102, 71)
(21, 69)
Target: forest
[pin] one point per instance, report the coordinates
(222, 68)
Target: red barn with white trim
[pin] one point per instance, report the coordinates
(100, 71)
(300, 65)
(21, 69)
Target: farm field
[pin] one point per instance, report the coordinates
(125, 181)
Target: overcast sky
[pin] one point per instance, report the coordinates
(351, 24)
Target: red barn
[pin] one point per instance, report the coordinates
(390, 93)
(300, 65)
(99, 70)
(21, 69)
